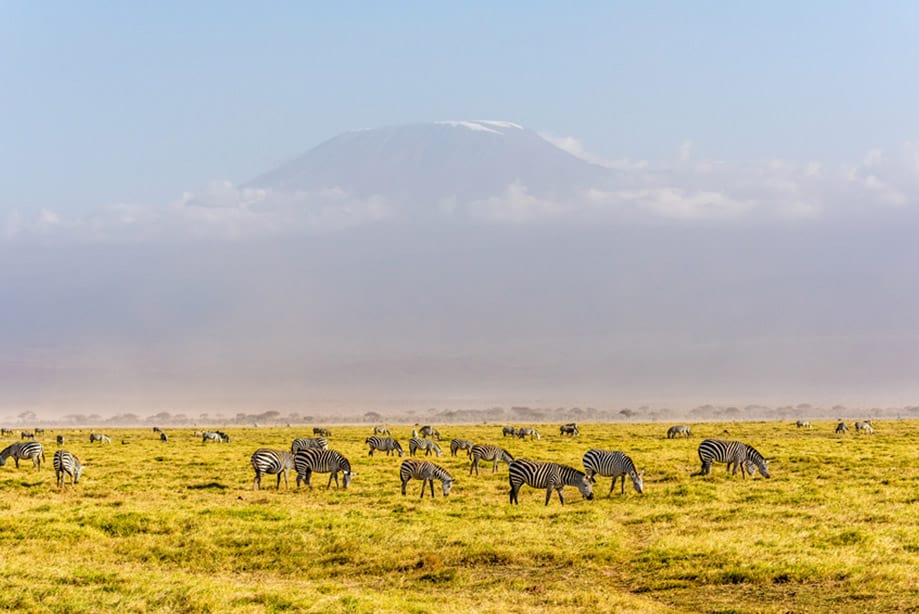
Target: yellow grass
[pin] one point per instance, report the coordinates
(176, 527)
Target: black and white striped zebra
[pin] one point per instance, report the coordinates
(733, 453)
(216, 436)
(429, 431)
(164, 437)
(803, 424)
(33, 450)
(528, 431)
(612, 464)
(550, 476)
(60, 440)
(842, 428)
(460, 444)
(314, 460)
(309, 443)
(66, 463)
(26, 435)
(5, 432)
(678, 430)
(271, 462)
(426, 471)
(569, 429)
(428, 445)
(381, 430)
(94, 437)
(321, 432)
(383, 444)
(488, 453)
(864, 427)
(509, 430)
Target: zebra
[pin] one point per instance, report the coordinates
(569, 429)
(218, 436)
(509, 430)
(733, 453)
(381, 430)
(30, 449)
(306, 443)
(322, 461)
(321, 432)
(60, 440)
(384, 444)
(680, 429)
(803, 424)
(489, 453)
(267, 460)
(66, 463)
(4, 432)
(550, 476)
(460, 444)
(615, 464)
(428, 445)
(841, 428)
(426, 471)
(525, 432)
(864, 426)
(94, 437)
(164, 437)
(157, 429)
(26, 435)
(429, 431)
(38, 431)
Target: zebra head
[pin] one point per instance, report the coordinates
(77, 472)
(763, 467)
(585, 487)
(346, 478)
(637, 481)
(447, 485)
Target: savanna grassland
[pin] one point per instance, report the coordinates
(155, 527)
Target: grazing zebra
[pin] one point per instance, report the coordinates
(569, 429)
(164, 437)
(488, 453)
(429, 431)
(864, 426)
(66, 463)
(426, 471)
(218, 436)
(157, 429)
(60, 440)
(460, 444)
(428, 445)
(321, 432)
(842, 428)
(94, 437)
(615, 464)
(307, 443)
(384, 444)
(550, 476)
(381, 430)
(266, 460)
(38, 431)
(680, 429)
(5, 432)
(322, 461)
(733, 453)
(525, 432)
(509, 430)
(26, 435)
(30, 449)
(803, 424)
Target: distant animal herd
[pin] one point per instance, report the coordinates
(312, 455)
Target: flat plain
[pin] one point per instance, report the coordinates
(177, 527)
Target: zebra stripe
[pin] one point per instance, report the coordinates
(312, 460)
(460, 444)
(267, 460)
(29, 449)
(612, 464)
(66, 463)
(428, 445)
(733, 453)
(308, 443)
(426, 471)
(680, 429)
(488, 453)
(384, 444)
(550, 476)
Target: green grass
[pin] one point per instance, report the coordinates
(176, 527)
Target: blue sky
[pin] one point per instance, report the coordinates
(124, 102)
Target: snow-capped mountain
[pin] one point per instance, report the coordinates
(430, 162)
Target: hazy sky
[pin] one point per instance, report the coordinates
(107, 102)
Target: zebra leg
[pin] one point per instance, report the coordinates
(334, 474)
(514, 492)
(549, 493)
(431, 482)
(560, 497)
(622, 492)
(612, 486)
(404, 482)
(494, 468)
(258, 480)
(474, 465)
